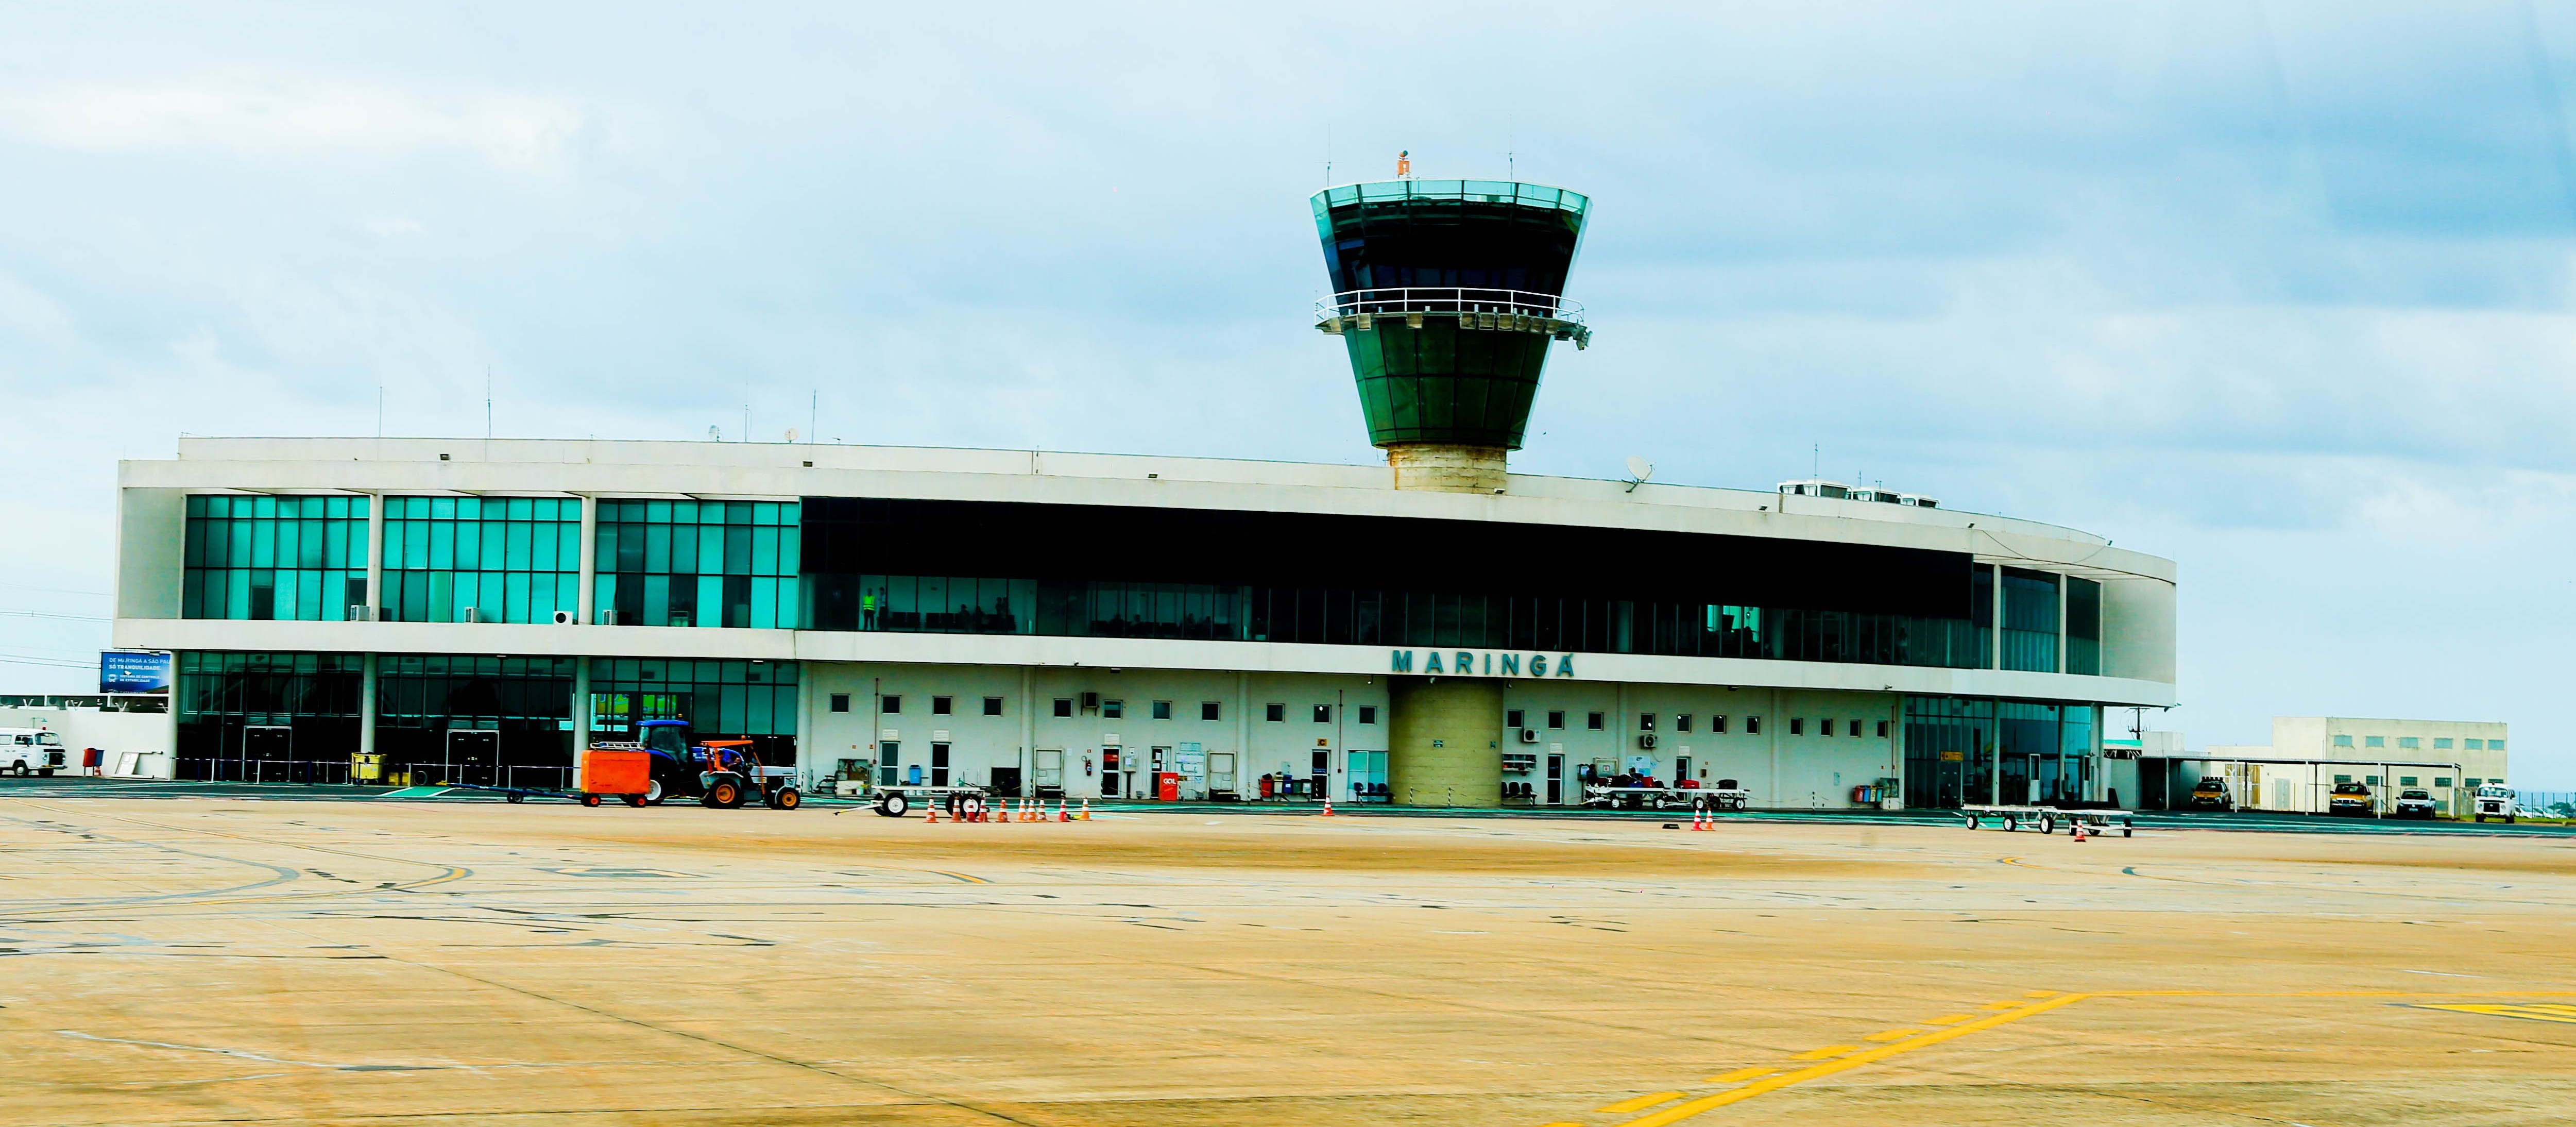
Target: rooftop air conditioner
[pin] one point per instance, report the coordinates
(1529, 735)
(361, 612)
(608, 618)
(1646, 742)
(473, 614)
(563, 618)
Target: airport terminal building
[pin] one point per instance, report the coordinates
(1436, 631)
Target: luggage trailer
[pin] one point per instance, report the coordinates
(2047, 818)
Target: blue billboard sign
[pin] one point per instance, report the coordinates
(125, 671)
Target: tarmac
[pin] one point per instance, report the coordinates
(238, 958)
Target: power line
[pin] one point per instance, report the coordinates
(56, 617)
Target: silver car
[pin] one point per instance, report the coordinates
(2415, 802)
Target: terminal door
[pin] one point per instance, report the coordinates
(1555, 780)
(268, 754)
(473, 758)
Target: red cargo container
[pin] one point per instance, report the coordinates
(616, 772)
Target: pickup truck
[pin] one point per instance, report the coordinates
(2353, 799)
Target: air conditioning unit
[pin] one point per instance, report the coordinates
(1646, 742)
(563, 618)
(607, 618)
(1091, 702)
(473, 614)
(1529, 735)
(361, 612)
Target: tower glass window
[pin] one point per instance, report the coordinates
(507, 559)
(298, 559)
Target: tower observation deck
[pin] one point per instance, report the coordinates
(1447, 294)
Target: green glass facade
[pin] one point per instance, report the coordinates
(507, 559)
(2030, 621)
(267, 717)
(298, 559)
(1443, 382)
(1970, 751)
(753, 700)
(698, 563)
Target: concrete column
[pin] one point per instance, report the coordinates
(1442, 740)
(1996, 612)
(1029, 730)
(1896, 744)
(1777, 719)
(589, 559)
(375, 572)
(1243, 725)
(580, 716)
(367, 696)
(2061, 624)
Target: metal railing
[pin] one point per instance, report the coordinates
(1448, 299)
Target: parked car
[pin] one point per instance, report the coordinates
(2495, 802)
(2211, 794)
(2352, 798)
(2415, 802)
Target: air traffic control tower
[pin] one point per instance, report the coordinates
(1447, 294)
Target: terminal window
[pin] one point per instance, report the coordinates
(2472, 745)
(1513, 718)
(1211, 710)
(1162, 710)
(1064, 706)
(2343, 778)
(279, 558)
(2441, 780)
(992, 706)
(1855, 728)
(1112, 709)
(1797, 725)
(890, 704)
(2343, 741)
(1274, 713)
(2410, 743)
(2405, 780)
(1592, 721)
(1682, 722)
(2473, 780)
(1323, 714)
(840, 702)
(2374, 741)
(1368, 714)
(1882, 729)
(1645, 721)
(1752, 725)
(1555, 719)
(1717, 724)
(2495, 745)
(943, 706)
(2441, 743)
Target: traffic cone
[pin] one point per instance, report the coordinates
(932, 815)
(1085, 816)
(1328, 807)
(1699, 821)
(2079, 833)
(1059, 811)
(1025, 815)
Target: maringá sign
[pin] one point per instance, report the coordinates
(1484, 663)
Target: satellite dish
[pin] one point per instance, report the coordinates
(791, 434)
(1639, 470)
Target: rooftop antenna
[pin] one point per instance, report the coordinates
(746, 422)
(380, 408)
(813, 410)
(487, 403)
(1639, 470)
(1816, 460)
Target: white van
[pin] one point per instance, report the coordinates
(2495, 802)
(30, 750)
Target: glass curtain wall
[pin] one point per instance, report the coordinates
(273, 717)
(508, 559)
(2030, 620)
(699, 563)
(1981, 613)
(2083, 626)
(287, 558)
(476, 719)
(753, 700)
(1967, 751)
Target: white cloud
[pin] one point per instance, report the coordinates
(256, 117)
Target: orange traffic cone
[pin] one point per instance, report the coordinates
(2079, 833)
(1085, 816)
(1059, 811)
(932, 817)
(1699, 821)
(1328, 807)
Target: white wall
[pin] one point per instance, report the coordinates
(146, 733)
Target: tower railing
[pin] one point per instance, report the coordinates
(1448, 299)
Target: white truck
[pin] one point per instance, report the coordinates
(2494, 802)
(26, 751)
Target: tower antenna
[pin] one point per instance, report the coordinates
(487, 403)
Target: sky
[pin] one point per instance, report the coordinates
(2284, 292)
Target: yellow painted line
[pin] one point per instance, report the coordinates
(958, 876)
(2041, 994)
(1998, 1005)
(1891, 1035)
(1741, 1075)
(2545, 1011)
(1560, 1124)
(1820, 1054)
(1682, 1111)
(1950, 1019)
(1641, 1103)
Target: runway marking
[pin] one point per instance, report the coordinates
(1891, 1035)
(1641, 1103)
(1682, 1111)
(2538, 1011)
(1820, 1054)
(958, 876)
(2041, 994)
(1741, 1075)
(1998, 1005)
(1950, 1019)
